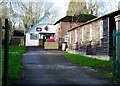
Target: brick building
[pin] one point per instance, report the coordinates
(69, 22)
(94, 37)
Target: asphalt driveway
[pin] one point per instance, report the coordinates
(50, 67)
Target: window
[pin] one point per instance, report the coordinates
(70, 38)
(76, 36)
(33, 36)
(87, 33)
(82, 34)
(90, 32)
(101, 29)
(65, 38)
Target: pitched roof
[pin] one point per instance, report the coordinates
(114, 13)
(79, 18)
(46, 19)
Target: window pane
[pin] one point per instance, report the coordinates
(33, 36)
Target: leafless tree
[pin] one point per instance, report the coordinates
(26, 14)
(100, 7)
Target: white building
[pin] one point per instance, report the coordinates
(34, 37)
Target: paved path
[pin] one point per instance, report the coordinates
(50, 67)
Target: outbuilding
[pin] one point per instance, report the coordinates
(94, 37)
(68, 22)
(37, 34)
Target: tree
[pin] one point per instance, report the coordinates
(101, 7)
(27, 19)
(4, 15)
(29, 13)
(4, 10)
(77, 7)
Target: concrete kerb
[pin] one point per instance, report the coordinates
(100, 57)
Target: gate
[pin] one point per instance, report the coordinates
(116, 53)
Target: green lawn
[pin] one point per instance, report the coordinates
(15, 54)
(103, 67)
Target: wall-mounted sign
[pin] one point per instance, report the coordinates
(46, 28)
(38, 29)
(65, 38)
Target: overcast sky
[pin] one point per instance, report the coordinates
(62, 5)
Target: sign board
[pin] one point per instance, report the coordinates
(38, 29)
(65, 38)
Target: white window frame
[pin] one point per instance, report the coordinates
(76, 36)
(90, 32)
(82, 34)
(34, 36)
(65, 38)
(70, 38)
(101, 29)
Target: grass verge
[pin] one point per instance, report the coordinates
(15, 60)
(103, 67)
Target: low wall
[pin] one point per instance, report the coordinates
(100, 57)
(51, 45)
(17, 41)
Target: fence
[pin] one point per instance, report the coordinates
(116, 53)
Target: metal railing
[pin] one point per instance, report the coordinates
(116, 54)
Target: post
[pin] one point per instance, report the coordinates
(6, 52)
(117, 19)
(0, 51)
(114, 53)
(118, 46)
(0, 45)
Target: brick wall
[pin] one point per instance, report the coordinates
(17, 41)
(63, 29)
(90, 40)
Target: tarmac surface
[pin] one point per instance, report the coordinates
(50, 67)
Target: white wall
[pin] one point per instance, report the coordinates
(31, 42)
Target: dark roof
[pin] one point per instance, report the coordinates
(113, 14)
(18, 33)
(79, 18)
